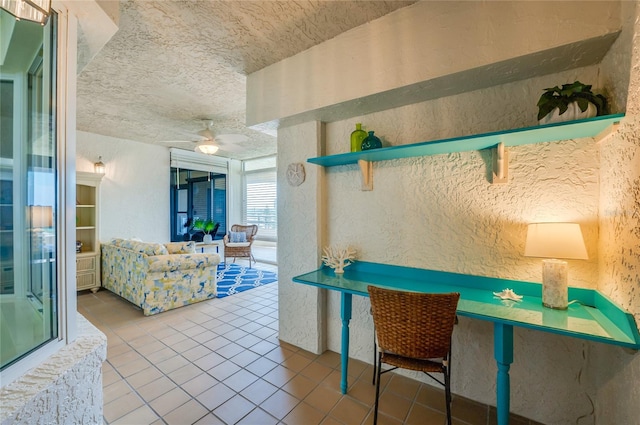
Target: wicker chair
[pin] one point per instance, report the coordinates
(414, 332)
(240, 249)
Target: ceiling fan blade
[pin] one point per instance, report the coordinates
(231, 138)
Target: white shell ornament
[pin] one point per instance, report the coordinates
(295, 174)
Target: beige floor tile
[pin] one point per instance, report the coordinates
(115, 390)
(304, 414)
(421, 415)
(196, 352)
(199, 384)
(188, 413)
(261, 366)
(210, 419)
(156, 388)
(170, 401)
(240, 380)
(185, 373)
(143, 377)
(143, 415)
(223, 370)
(323, 398)
(234, 409)
(299, 386)
(316, 371)
(394, 405)
(209, 361)
(122, 406)
(215, 396)
(279, 404)
(349, 411)
(405, 387)
(133, 367)
(161, 355)
(279, 376)
(171, 364)
(259, 391)
(184, 393)
(258, 417)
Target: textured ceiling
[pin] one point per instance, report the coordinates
(173, 63)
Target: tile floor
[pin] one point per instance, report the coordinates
(220, 362)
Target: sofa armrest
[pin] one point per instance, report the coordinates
(173, 262)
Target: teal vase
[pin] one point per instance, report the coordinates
(357, 137)
(371, 142)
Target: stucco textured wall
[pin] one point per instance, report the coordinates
(134, 192)
(299, 233)
(442, 212)
(617, 371)
(64, 389)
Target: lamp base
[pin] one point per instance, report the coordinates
(555, 293)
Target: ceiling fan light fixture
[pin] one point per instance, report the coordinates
(208, 147)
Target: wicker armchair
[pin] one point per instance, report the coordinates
(414, 332)
(240, 249)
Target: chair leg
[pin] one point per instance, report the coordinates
(375, 357)
(379, 372)
(447, 392)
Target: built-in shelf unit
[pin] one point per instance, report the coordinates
(87, 230)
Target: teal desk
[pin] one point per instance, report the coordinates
(593, 317)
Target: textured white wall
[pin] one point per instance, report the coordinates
(618, 371)
(442, 212)
(300, 233)
(64, 389)
(135, 189)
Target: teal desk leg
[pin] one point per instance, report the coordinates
(503, 353)
(345, 314)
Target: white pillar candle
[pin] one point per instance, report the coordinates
(554, 284)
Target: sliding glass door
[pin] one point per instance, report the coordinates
(197, 195)
(28, 188)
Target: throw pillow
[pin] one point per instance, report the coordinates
(236, 237)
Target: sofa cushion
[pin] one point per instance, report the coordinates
(172, 262)
(147, 248)
(237, 244)
(181, 247)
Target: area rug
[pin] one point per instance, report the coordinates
(233, 279)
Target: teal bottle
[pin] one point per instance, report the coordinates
(357, 136)
(371, 142)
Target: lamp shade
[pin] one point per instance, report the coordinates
(30, 10)
(555, 240)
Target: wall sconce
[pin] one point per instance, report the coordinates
(99, 166)
(30, 10)
(554, 241)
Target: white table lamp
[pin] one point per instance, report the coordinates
(555, 241)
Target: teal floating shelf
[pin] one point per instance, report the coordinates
(521, 136)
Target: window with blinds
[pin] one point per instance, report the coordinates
(260, 197)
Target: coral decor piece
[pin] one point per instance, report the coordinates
(338, 258)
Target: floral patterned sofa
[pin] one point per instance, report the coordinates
(158, 277)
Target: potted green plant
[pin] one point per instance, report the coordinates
(205, 226)
(570, 102)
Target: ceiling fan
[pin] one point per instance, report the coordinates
(212, 142)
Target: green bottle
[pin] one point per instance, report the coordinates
(357, 137)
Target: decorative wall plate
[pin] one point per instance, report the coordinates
(295, 173)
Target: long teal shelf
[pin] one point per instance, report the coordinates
(521, 136)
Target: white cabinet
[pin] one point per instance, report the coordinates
(87, 230)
